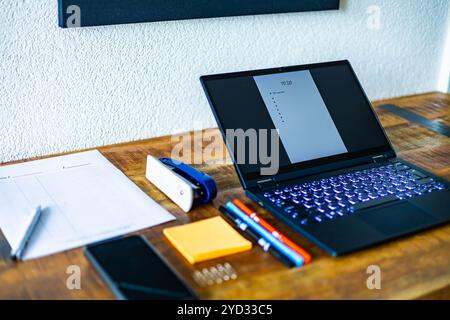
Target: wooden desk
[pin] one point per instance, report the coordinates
(417, 266)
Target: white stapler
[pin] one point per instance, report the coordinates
(183, 184)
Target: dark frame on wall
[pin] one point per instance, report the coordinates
(83, 13)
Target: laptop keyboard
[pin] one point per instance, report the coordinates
(334, 197)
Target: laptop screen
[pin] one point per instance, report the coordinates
(320, 114)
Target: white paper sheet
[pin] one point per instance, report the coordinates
(84, 197)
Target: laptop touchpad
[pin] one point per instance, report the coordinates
(397, 219)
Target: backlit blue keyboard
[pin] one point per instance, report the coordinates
(330, 198)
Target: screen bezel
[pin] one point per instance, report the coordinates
(306, 167)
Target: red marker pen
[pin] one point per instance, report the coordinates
(306, 256)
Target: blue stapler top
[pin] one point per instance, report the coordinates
(207, 186)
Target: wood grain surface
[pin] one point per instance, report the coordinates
(414, 267)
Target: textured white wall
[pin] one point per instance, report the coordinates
(66, 89)
(444, 74)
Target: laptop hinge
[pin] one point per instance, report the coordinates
(380, 158)
(266, 183)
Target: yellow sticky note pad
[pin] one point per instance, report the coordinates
(206, 239)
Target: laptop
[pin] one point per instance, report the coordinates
(308, 147)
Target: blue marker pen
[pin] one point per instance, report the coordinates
(289, 253)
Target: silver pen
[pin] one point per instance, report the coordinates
(18, 253)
